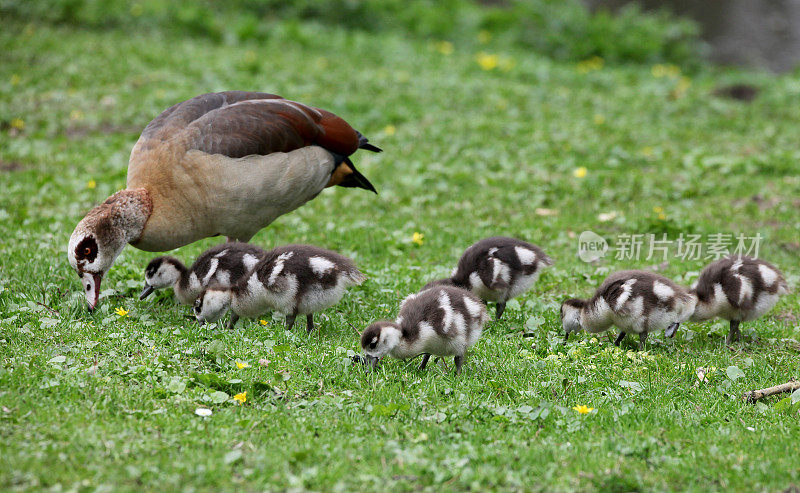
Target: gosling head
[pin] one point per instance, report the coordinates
(571, 315)
(161, 272)
(379, 339)
(212, 304)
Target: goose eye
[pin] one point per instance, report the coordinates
(87, 251)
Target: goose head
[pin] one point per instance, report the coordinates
(99, 238)
(212, 304)
(161, 272)
(379, 339)
(571, 315)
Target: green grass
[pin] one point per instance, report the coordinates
(469, 153)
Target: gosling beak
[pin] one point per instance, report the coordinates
(371, 361)
(672, 329)
(91, 288)
(147, 291)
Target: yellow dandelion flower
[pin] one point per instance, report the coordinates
(658, 210)
(599, 119)
(591, 64)
(263, 322)
(647, 151)
(76, 115)
(444, 47)
(662, 216)
(579, 172)
(583, 409)
(241, 398)
(121, 312)
(417, 238)
(242, 364)
(389, 130)
(17, 123)
(249, 56)
(484, 36)
(15, 79)
(91, 184)
(487, 61)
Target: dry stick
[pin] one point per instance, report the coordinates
(755, 395)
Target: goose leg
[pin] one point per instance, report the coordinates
(458, 360)
(290, 321)
(733, 333)
(424, 363)
(309, 323)
(232, 321)
(672, 329)
(619, 338)
(642, 339)
(566, 336)
(501, 307)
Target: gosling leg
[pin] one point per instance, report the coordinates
(458, 360)
(501, 307)
(733, 334)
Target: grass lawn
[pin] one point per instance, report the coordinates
(104, 401)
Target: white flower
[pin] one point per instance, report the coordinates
(604, 217)
(203, 412)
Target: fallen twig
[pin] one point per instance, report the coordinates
(755, 395)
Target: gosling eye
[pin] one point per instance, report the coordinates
(197, 309)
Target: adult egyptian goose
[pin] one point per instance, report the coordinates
(636, 301)
(225, 163)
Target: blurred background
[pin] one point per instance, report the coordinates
(755, 33)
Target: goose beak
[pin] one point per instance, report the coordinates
(671, 330)
(371, 360)
(147, 291)
(91, 288)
